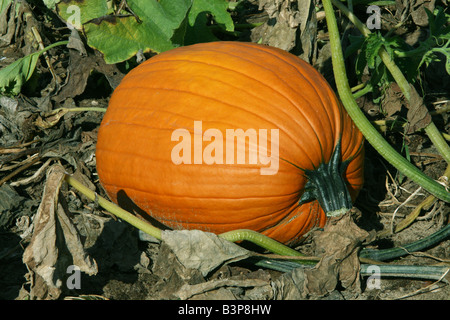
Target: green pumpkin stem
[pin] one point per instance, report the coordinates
(326, 184)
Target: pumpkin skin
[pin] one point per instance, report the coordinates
(225, 85)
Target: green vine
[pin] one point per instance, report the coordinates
(360, 120)
(232, 236)
(432, 131)
(279, 263)
(114, 209)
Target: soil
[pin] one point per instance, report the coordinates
(131, 267)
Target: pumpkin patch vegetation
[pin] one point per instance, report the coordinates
(227, 135)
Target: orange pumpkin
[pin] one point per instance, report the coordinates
(164, 142)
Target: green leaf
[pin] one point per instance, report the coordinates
(438, 24)
(121, 37)
(164, 15)
(76, 13)
(198, 29)
(356, 42)
(373, 44)
(14, 76)
(51, 4)
(430, 56)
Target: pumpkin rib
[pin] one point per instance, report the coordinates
(296, 193)
(311, 215)
(292, 102)
(308, 80)
(302, 170)
(222, 197)
(295, 103)
(289, 64)
(245, 167)
(230, 124)
(262, 66)
(358, 147)
(282, 169)
(218, 227)
(355, 153)
(234, 87)
(294, 61)
(289, 61)
(293, 214)
(269, 218)
(267, 221)
(351, 172)
(203, 96)
(128, 175)
(250, 185)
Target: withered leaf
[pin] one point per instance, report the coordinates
(392, 101)
(79, 71)
(187, 291)
(289, 21)
(55, 244)
(203, 251)
(290, 286)
(338, 245)
(418, 115)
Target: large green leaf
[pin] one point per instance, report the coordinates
(76, 13)
(198, 30)
(145, 25)
(51, 4)
(121, 37)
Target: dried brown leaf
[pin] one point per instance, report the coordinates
(188, 291)
(290, 286)
(338, 245)
(55, 244)
(418, 115)
(288, 21)
(202, 251)
(392, 100)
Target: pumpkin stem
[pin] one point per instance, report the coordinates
(326, 184)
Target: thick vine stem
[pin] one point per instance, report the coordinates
(233, 236)
(364, 125)
(261, 240)
(438, 140)
(394, 253)
(432, 131)
(114, 209)
(253, 236)
(384, 270)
